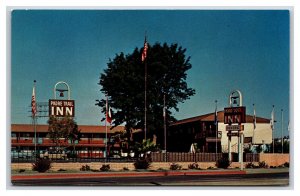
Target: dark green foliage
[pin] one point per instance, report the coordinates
(41, 165)
(123, 82)
(193, 166)
(21, 170)
(64, 127)
(72, 154)
(61, 170)
(175, 166)
(210, 167)
(223, 163)
(125, 169)
(85, 168)
(143, 163)
(286, 164)
(250, 165)
(263, 165)
(145, 146)
(105, 167)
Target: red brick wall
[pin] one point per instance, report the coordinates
(270, 159)
(274, 159)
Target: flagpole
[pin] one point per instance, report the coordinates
(254, 124)
(106, 108)
(34, 120)
(145, 101)
(165, 127)
(273, 127)
(144, 59)
(216, 124)
(281, 131)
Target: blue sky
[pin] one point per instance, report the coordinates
(245, 50)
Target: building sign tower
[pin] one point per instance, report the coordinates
(234, 116)
(61, 107)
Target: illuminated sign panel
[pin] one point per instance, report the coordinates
(61, 108)
(235, 115)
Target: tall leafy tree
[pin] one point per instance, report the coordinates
(64, 127)
(123, 83)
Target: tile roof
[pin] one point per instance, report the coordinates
(82, 128)
(211, 117)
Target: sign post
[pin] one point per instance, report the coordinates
(61, 107)
(234, 117)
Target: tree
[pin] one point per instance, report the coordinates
(65, 128)
(123, 83)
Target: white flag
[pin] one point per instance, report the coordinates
(272, 119)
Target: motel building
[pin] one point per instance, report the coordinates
(209, 138)
(91, 144)
(199, 130)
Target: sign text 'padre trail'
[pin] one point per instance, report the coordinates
(235, 115)
(61, 108)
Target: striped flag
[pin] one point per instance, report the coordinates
(33, 103)
(144, 53)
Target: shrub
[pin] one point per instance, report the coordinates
(85, 168)
(210, 167)
(105, 167)
(250, 165)
(263, 165)
(193, 166)
(125, 168)
(223, 163)
(61, 170)
(142, 164)
(41, 165)
(21, 170)
(286, 164)
(175, 166)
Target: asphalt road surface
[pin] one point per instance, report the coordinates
(265, 179)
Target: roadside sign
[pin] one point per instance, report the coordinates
(235, 115)
(234, 127)
(232, 134)
(61, 108)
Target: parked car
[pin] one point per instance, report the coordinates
(23, 154)
(53, 155)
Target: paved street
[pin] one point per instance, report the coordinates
(251, 179)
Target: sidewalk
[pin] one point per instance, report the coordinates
(144, 173)
(123, 174)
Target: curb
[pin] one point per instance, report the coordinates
(129, 174)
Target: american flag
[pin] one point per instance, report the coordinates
(33, 103)
(144, 54)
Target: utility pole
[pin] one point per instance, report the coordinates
(165, 126)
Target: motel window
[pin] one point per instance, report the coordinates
(248, 140)
(13, 135)
(25, 135)
(96, 136)
(84, 135)
(189, 131)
